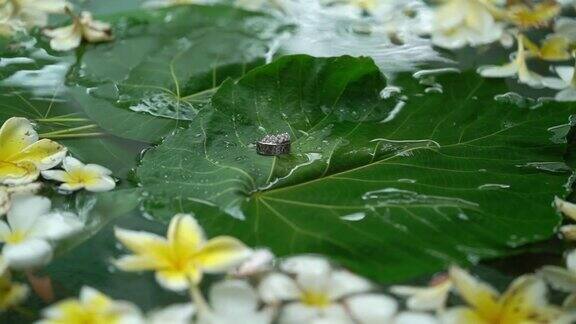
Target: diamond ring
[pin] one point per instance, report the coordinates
(274, 144)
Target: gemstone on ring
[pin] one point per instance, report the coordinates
(274, 144)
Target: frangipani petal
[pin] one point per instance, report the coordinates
(566, 73)
(567, 208)
(44, 154)
(146, 245)
(136, 263)
(233, 298)
(372, 308)
(102, 184)
(65, 38)
(184, 234)
(294, 313)
(277, 287)
(571, 261)
(70, 164)
(172, 280)
(526, 298)
(56, 226)
(305, 263)
(554, 83)
(559, 278)
(222, 253)
(15, 135)
(555, 48)
(425, 298)
(460, 315)
(71, 187)
(499, 71)
(173, 314)
(26, 210)
(566, 95)
(57, 175)
(31, 253)
(343, 283)
(477, 294)
(17, 174)
(415, 318)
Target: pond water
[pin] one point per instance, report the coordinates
(405, 161)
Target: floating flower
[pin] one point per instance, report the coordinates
(569, 210)
(555, 47)
(31, 229)
(234, 301)
(184, 256)
(315, 292)
(29, 13)
(523, 302)
(22, 155)
(8, 192)
(458, 23)
(77, 175)
(377, 308)
(259, 261)
(83, 27)
(568, 232)
(560, 278)
(173, 314)
(566, 83)
(11, 293)
(92, 307)
(538, 15)
(566, 27)
(432, 298)
(517, 67)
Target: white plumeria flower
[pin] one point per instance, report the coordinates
(234, 301)
(77, 175)
(517, 67)
(31, 229)
(173, 314)
(19, 14)
(91, 307)
(415, 318)
(458, 23)
(566, 83)
(8, 192)
(560, 278)
(432, 298)
(83, 27)
(567, 208)
(317, 293)
(260, 261)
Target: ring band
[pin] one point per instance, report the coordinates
(274, 145)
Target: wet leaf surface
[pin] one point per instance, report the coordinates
(393, 191)
(166, 63)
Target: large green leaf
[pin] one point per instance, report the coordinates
(392, 191)
(166, 63)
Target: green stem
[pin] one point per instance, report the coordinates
(69, 130)
(198, 299)
(200, 93)
(57, 136)
(55, 120)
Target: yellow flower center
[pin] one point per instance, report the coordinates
(81, 177)
(315, 299)
(16, 237)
